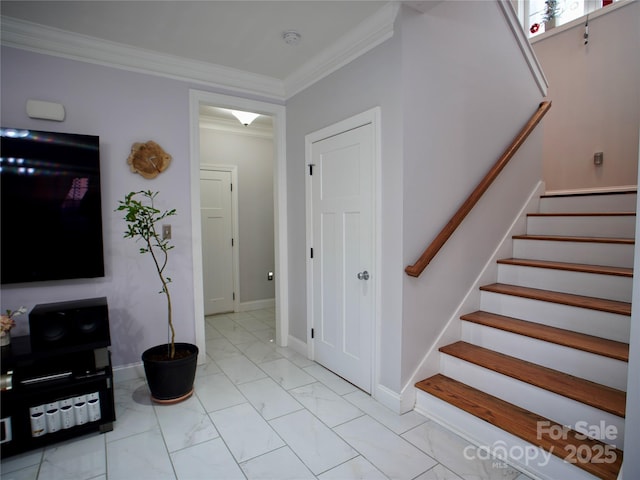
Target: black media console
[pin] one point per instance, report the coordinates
(57, 382)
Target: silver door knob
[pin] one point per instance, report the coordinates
(363, 275)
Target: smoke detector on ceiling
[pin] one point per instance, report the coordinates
(291, 37)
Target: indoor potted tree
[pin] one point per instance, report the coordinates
(170, 368)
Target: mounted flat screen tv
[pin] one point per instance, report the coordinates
(51, 214)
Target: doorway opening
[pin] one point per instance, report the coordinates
(237, 217)
(199, 99)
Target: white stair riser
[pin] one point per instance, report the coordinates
(592, 322)
(621, 202)
(590, 253)
(612, 287)
(525, 456)
(543, 402)
(583, 226)
(596, 368)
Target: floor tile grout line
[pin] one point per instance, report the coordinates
(335, 433)
(303, 407)
(353, 398)
(226, 445)
(106, 463)
(164, 440)
(264, 453)
(384, 425)
(287, 446)
(317, 380)
(394, 433)
(220, 436)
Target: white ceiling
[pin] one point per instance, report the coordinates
(238, 34)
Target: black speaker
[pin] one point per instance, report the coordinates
(78, 323)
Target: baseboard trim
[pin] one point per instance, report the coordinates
(135, 371)
(392, 400)
(297, 346)
(125, 373)
(257, 305)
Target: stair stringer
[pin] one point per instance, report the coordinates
(487, 437)
(452, 331)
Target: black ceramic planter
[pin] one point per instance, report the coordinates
(170, 381)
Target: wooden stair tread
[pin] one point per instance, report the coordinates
(590, 393)
(559, 336)
(523, 424)
(563, 238)
(593, 303)
(573, 267)
(583, 214)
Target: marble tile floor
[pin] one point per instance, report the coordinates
(259, 412)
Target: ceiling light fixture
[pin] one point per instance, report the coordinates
(291, 37)
(245, 118)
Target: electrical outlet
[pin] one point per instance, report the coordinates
(598, 158)
(166, 232)
(270, 276)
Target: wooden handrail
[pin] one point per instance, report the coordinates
(417, 268)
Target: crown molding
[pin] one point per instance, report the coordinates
(363, 38)
(52, 41)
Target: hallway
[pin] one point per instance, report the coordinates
(259, 412)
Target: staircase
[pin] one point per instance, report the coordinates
(540, 373)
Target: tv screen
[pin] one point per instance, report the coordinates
(51, 214)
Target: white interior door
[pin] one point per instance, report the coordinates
(217, 241)
(342, 205)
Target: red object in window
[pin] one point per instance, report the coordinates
(606, 2)
(534, 28)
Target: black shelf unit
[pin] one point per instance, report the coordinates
(78, 377)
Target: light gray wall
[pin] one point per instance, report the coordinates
(121, 107)
(370, 81)
(453, 90)
(421, 83)
(467, 92)
(595, 91)
(254, 158)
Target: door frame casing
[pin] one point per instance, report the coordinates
(235, 232)
(278, 115)
(373, 117)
